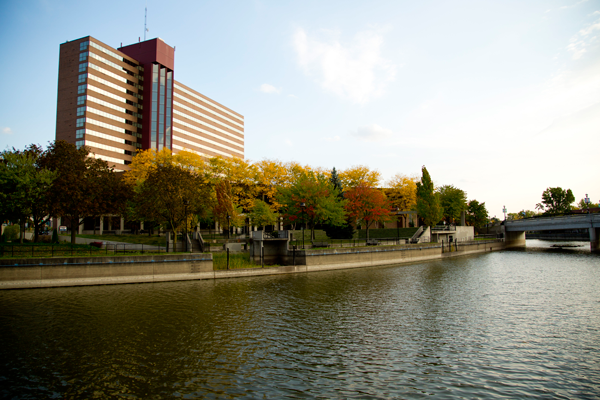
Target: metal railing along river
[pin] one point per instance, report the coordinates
(69, 250)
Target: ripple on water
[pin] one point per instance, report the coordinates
(505, 325)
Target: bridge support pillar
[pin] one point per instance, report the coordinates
(594, 240)
(514, 239)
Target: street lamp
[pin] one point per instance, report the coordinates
(228, 226)
(587, 202)
(504, 211)
(398, 225)
(303, 206)
(186, 203)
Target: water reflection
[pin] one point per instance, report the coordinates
(504, 324)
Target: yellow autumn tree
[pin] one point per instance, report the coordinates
(357, 175)
(401, 192)
(241, 176)
(148, 160)
(270, 175)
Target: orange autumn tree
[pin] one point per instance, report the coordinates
(366, 204)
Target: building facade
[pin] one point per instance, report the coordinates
(120, 101)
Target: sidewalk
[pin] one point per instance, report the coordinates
(130, 246)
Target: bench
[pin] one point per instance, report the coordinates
(320, 244)
(372, 242)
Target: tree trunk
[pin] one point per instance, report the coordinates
(74, 228)
(22, 230)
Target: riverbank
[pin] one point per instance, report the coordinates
(57, 272)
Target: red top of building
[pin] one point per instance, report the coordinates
(151, 51)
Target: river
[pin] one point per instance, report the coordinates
(508, 324)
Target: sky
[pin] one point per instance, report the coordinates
(498, 98)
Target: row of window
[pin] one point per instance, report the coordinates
(181, 105)
(139, 96)
(111, 159)
(115, 55)
(116, 76)
(209, 102)
(187, 116)
(196, 144)
(107, 83)
(114, 96)
(208, 133)
(116, 66)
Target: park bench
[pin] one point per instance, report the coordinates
(320, 244)
(372, 242)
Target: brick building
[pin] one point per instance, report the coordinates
(119, 101)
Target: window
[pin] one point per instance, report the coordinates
(80, 122)
(83, 56)
(80, 111)
(80, 143)
(81, 78)
(82, 67)
(81, 89)
(83, 46)
(79, 133)
(80, 100)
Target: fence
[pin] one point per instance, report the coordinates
(308, 244)
(67, 250)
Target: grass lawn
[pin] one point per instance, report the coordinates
(236, 261)
(43, 250)
(135, 239)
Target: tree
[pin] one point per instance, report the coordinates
(24, 187)
(171, 195)
(321, 201)
(84, 186)
(556, 200)
(477, 214)
(453, 200)
(582, 206)
(262, 215)
(358, 174)
(345, 231)
(402, 192)
(225, 211)
(522, 214)
(366, 205)
(428, 203)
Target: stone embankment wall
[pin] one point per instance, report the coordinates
(55, 272)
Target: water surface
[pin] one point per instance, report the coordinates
(499, 325)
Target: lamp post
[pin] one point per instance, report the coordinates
(398, 225)
(186, 203)
(504, 211)
(228, 225)
(587, 202)
(303, 206)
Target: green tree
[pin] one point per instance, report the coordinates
(25, 187)
(262, 214)
(346, 230)
(321, 201)
(171, 195)
(453, 200)
(83, 186)
(428, 202)
(556, 200)
(477, 214)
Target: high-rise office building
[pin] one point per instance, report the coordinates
(120, 101)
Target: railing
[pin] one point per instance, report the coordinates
(69, 250)
(349, 242)
(444, 228)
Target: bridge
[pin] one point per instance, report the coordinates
(514, 230)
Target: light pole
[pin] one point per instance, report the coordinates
(587, 203)
(186, 203)
(303, 206)
(504, 211)
(398, 225)
(228, 225)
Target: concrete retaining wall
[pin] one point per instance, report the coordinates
(52, 272)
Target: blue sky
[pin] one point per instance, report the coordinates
(501, 99)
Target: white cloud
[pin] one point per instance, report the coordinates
(7, 130)
(266, 88)
(372, 133)
(356, 71)
(581, 40)
(336, 138)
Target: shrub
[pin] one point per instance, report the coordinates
(11, 232)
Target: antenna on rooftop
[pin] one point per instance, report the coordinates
(145, 19)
